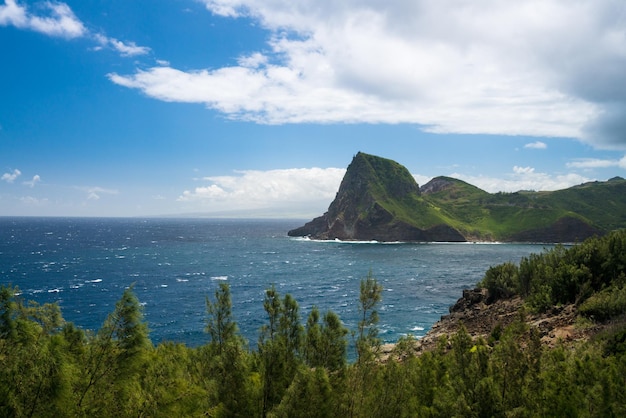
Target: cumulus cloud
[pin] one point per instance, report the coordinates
(524, 178)
(58, 21)
(536, 145)
(252, 189)
(36, 179)
(10, 177)
(523, 170)
(478, 66)
(252, 61)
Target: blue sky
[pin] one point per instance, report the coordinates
(255, 108)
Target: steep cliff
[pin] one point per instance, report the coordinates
(378, 199)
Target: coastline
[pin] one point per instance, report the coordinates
(558, 325)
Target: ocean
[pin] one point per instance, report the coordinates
(84, 264)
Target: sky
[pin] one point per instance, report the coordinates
(254, 108)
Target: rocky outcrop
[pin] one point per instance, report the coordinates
(378, 225)
(437, 184)
(480, 315)
(361, 210)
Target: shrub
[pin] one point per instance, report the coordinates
(501, 281)
(606, 304)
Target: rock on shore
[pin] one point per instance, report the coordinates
(480, 315)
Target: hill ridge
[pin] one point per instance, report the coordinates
(379, 199)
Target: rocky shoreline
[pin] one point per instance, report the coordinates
(480, 315)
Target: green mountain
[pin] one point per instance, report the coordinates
(378, 199)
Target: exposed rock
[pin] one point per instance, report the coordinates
(360, 211)
(470, 298)
(436, 185)
(558, 325)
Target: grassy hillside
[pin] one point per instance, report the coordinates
(391, 186)
(378, 195)
(603, 203)
(478, 214)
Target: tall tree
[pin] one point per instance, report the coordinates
(367, 345)
(226, 360)
(115, 356)
(325, 344)
(367, 341)
(220, 324)
(313, 347)
(280, 346)
(32, 366)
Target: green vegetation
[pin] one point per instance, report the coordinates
(591, 274)
(390, 185)
(507, 216)
(478, 215)
(51, 368)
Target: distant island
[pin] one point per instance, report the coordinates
(379, 199)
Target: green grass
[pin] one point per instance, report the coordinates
(480, 215)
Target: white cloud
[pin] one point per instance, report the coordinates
(13, 14)
(224, 8)
(94, 193)
(252, 61)
(524, 178)
(60, 20)
(480, 66)
(36, 179)
(523, 170)
(128, 49)
(589, 163)
(10, 177)
(251, 189)
(536, 145)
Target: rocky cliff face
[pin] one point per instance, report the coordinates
(361, 211)
(379, 200)
(480, 316)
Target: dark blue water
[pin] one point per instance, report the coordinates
(85, 265)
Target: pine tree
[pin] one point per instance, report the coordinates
(114, 358)
(227, 361)
(280, 347)
(367, 342)
(220, 324)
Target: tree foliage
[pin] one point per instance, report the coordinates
(367, 341)
(566, 275)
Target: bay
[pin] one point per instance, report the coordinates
(84, 264)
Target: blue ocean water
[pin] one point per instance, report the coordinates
(85, 265)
